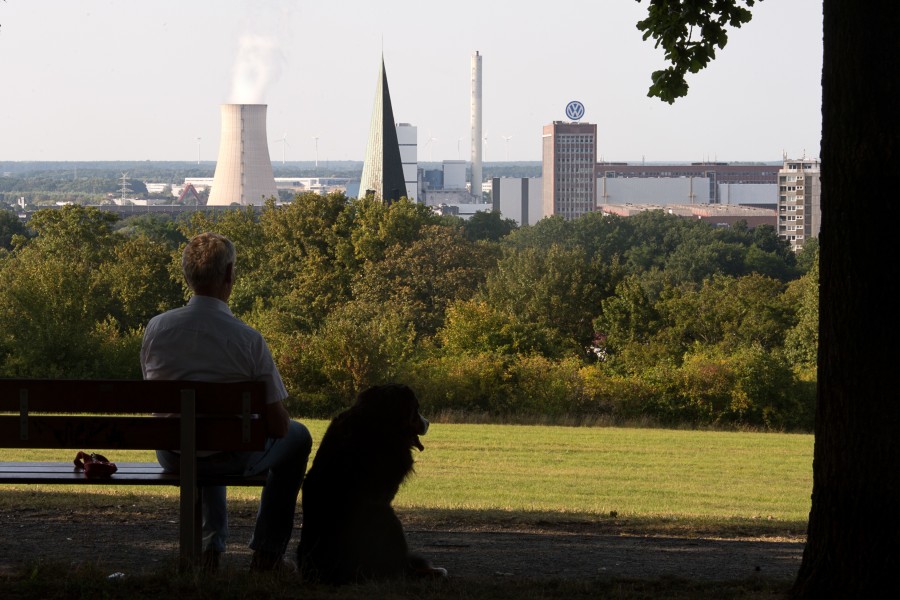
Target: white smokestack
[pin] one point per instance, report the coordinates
(244, 169)
(475, 111)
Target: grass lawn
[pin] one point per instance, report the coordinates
(480, 472)
(653, 481)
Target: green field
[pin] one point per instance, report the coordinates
(643, 481)
(582, 473)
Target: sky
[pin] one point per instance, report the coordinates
(94, 80)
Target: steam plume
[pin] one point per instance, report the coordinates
(257, 67)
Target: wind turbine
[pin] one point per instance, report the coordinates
(507, 138)
(431, 150)
(315, 137)
(284, 145)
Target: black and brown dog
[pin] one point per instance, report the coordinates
(350, 531)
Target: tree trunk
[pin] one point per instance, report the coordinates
(853, 545)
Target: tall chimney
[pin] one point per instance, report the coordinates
(244, 170)
(475, 111)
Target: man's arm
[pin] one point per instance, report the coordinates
(277, 419)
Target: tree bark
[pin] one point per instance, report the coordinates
(853, 545)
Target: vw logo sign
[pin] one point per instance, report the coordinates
(575, 110)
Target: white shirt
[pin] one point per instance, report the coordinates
(204, 341)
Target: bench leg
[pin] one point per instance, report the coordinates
(190, 517)
(190, 526)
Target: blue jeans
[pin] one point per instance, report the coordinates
(284, 458)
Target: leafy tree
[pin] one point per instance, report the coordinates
(310, 259)
(752, 386)
(75, 296)
(50, 308)
(10, 226)
(79, 234)
(728, 311)
(656, 236)
(154, 226)
(763, 251)
(554, 287)
(603, 235)
(545, 387)
(802, 340)
(770, 264)
(378, 226)
(421, 279)
(548, 231)
(696, 259)
(766, 238)
(136, 186)
(628, 316)
(360, 345)
(139, 282)
(808, 255)
(470, 383)
(487, 225)
(475, 327)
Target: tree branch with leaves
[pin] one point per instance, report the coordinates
(689, 32)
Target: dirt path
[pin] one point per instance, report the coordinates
(141, 542)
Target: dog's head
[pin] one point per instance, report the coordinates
(394, 408)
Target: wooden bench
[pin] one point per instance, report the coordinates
(107, 415)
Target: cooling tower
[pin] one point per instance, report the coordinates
(244, 170)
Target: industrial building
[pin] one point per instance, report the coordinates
(518, 198)
(407, 140)
(727, 183)
(648, 187)
(717, 214)
(448, 186)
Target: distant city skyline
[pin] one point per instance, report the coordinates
(102, 81)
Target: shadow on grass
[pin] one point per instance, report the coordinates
(60, 544)
(138, 503)
(45, 581)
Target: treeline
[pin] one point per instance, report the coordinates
(48, 188)
(653, 318)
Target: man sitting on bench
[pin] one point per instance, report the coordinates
(204, 341)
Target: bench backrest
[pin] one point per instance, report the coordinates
(119, 414)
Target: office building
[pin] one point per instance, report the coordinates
(569, 169)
